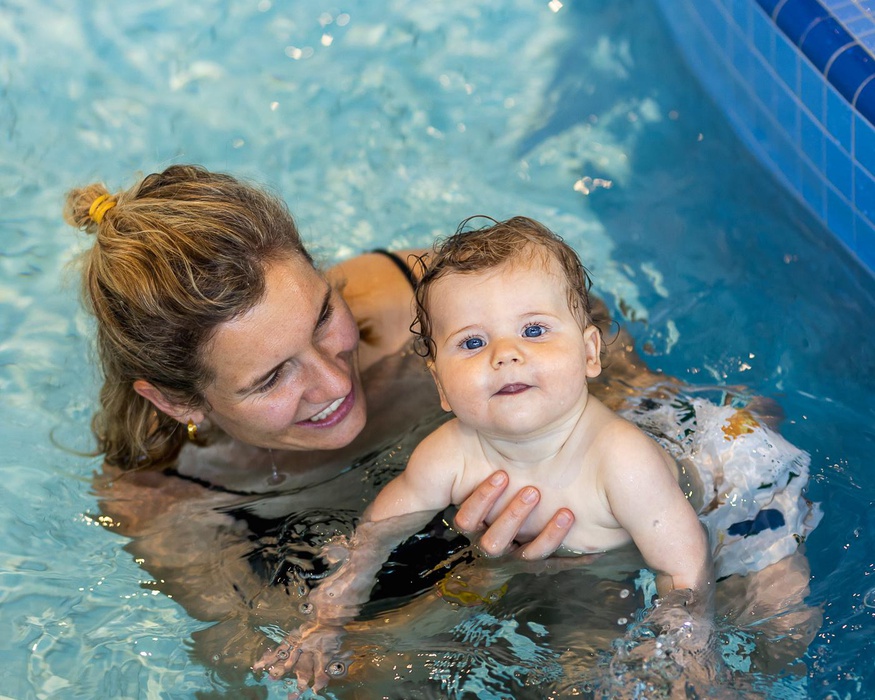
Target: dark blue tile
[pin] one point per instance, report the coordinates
(864, 143)
(864, 193)
(865, 102)
(840, 217)
(850, 70)
(839, 168)
(768, 5)
(786, 61)
(795, 17)
(812, 89)
(823, 41)
(839, 118)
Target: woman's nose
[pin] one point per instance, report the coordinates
(328, 377)
(505, 352)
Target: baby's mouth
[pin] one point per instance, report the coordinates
(510, 389)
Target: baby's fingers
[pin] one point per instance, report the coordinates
(278, 662)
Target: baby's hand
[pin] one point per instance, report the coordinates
(313, 653)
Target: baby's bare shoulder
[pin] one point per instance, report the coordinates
(625, 447)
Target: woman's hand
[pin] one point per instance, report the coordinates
(499, 537)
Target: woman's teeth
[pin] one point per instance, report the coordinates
(331, 408)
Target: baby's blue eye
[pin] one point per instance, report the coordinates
(533, 331)
(472, 343)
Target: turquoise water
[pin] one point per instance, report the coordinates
(385, 124)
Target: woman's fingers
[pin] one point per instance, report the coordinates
(549, 539)
(499, 536)
(472, 513)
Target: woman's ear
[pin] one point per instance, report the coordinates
(177, 411)
(592, 341)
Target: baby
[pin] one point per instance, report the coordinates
(504, 320)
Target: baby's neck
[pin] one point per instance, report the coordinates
(544, 447)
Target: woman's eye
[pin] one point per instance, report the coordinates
(473, 343)
(272, 381)
(534, 331)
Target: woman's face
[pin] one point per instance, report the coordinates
(286, 372)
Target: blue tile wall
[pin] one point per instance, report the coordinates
(797, 80)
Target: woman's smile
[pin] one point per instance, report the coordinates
(332, 414)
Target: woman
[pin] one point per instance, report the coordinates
(232, 366)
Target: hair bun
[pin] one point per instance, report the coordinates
(86, 206)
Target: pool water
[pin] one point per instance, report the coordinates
(385, 124)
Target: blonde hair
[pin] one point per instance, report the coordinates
(471, 251)
(178, 254)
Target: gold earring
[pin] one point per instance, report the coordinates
(192, 431)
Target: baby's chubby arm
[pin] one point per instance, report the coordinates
(640, 485)
(426, 484)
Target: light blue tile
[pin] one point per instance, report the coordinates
(839, 169)
(787, 62)
(864, 193)
(860, 26)
(865, 241)
(783, 152)
(843, 12)
(839, 118)
(813, 190)
(811, 140)
(742, 59)
(763, 30)
(741, 11)
(764, 83)
(840, 217)
(812, 88)
(714, 19)
(864, 143)
(787, 111)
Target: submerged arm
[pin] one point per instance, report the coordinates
(402, 508)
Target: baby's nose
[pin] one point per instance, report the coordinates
(505, 352)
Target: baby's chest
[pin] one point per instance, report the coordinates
(594, 527)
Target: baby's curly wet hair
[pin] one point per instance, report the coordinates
(470, 250)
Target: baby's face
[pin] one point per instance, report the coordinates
(510, 357)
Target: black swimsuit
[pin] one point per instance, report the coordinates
(395, 258)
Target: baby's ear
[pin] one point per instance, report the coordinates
(592, 341)
(437, 382)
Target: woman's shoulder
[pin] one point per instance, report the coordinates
(380, 296)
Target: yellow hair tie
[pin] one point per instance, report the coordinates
(99, 207)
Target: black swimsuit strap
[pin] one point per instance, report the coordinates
(408, 273)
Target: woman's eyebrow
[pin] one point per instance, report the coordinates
(325, 312)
